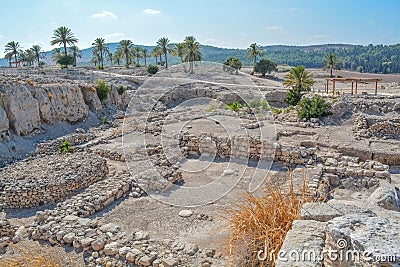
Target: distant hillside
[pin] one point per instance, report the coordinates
(375, 59)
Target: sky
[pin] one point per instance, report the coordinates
(222, 23)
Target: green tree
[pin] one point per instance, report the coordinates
(253, 51)
(234, 63)
(157, 53)
(331, 63)
(118, 55)
(191, 52)
(8, 56)
(265, 66)
(300, 81)
(38, 52)
(137, 53)
(56, 54)
(63, 36)
(75, 53)
(163, 43)
(101, 48)
(110, 58)
(145, 54)
(13, 48)
(126, 47)
(178, 50)
(27, 57)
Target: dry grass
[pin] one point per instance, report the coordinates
(32, 254)
(50, 95)
(261, 223)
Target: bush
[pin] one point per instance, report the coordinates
(232, 63)
(41, 63)
(235, 106)
(104, 120)
(100, 67)
(152, 69)
(276, 110)
(260, 223)
(121, 90)
(265, 66)
(315, 107)
(127, 66)
(65, 147)
(102, 89)
(257, 104)
(294, 96)
(66, 60)
(137, 65)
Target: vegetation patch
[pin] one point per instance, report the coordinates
(121, 89)
(65, 147)
(235, 106)
(315, 107)
(102, 90)
(152, 69)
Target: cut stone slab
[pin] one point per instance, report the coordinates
(306, 238)
(324, 212)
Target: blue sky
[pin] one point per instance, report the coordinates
(215, 22)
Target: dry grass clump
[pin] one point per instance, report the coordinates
(259, 224)
(32, 254)
(30, 82)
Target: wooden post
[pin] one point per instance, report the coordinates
(352, 86)
(376, 86)
(327, 86)
(356, 85)
(333, 87)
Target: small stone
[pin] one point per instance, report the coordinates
(98, 244)
(130, 257)
(170, 262)
(111, 249)
(146, 260)
(69, 238)
(141, 235)
(210, 253)
(185, 213)
(110, 227)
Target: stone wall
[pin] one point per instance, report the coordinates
(43, 180)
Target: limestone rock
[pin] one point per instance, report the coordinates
(185, 213)
(111, 248)
(4, 123)
(386, 197)
(90, 97)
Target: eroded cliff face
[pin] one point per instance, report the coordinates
(25, 105)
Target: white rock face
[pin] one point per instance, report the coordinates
(4, 123)
(90, 97)
(22, 109)
(60, 103)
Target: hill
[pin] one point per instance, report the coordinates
(371, 58)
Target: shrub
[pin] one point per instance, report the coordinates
(100, 67)
(127, 66)
(104, 120)
(32, 254)
(294, 96)
(121, 90)
(235, 106)
(276, 110)
(232, 63)
(315, 107)
(65, 147)
(152, 69)
(260, 223)
(257, 104)
(41, 63)
(265, 66)
(102, 89)
(137, 65)
(66, 60)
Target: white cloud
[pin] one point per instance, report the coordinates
(113, 37)
(150, 11)
(274, 28)
(214, 42)
(1, 36)
(104, 14)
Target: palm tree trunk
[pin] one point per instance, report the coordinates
(127, 59)
(331, 73)
(101, 58)
(15, 56)
(156, 59)
(65, 48)
(166, 60)
(145, 61)
(255, 59)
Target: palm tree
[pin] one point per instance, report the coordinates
(163, 43)
(125, 46)
(63, 35)
(110, 58)
(100, 46)
(8, 56)
(75, 53)
(157, 53)
(118, 55)
(27, 57)
(13, 48)
(191, 51)
(331, 63)
(145, 54)
(177, 50)
(37, 50)
(253, 51)
(137, 52)
(56, 54)
(95, 60)
(298, 77)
